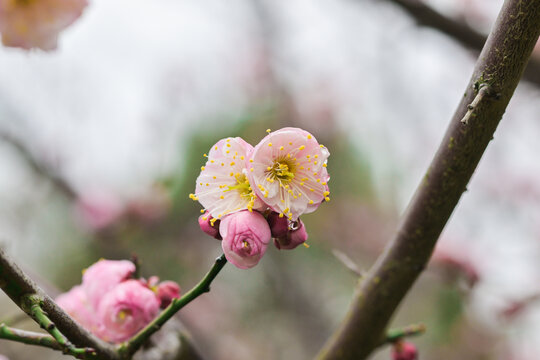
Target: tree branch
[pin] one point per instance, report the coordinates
(500, 66)
(463, 33)
(132, 345)
(18, 286)
(38, 167)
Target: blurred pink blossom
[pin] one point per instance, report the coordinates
(75, 303)
(98, 210)
(456, 261)
(288, 172)
(104, 276)
(2, 357)
(294, 237)
(166, 292)
(125, 310)
(36, 23)
(245, 238)
(403, 350)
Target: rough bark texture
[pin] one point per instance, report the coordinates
(499, 67)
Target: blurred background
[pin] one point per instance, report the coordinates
(101, 142)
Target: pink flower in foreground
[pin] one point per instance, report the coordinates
(36, 23)
(295, 236)
(103, 276)
(2, 357)
(403, 350)
(125, 310)
(245, 238)
(76, 304)
(288, 172)
(222, 187)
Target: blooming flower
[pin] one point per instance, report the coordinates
(36, 23)
(104, 276)
(287, 170)
(113, 305)
(75, 303)
(222, 187)
(126, 309)
(245, 238)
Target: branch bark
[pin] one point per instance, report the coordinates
(463, 33)
(500, 66)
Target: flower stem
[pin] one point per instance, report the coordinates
(395, 335)
(32, 305)
(131, 346)
(28, 337)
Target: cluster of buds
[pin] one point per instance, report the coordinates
(253, 194)
(114, 305)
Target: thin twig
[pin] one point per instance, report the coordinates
(502, 62)
(132, 345)
(458, 30)
(395, 335)
(348, 262)
(482, 93)
(28, 337)
(32, 305)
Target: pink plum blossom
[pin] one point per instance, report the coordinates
(167, 291)
(76, 304)
(98, 209)
(103, 276)
(125, 310)
(222, 186)
(295, 236)
(36, 23)
(2, 357)
(209, 225)
(245, 238)
(288, 172)
(403, 350)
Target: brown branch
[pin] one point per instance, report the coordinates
(18, 285)
(460, 31)
(500, 66)
(37, 166)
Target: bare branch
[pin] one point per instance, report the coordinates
(500, 66)
(462, 32)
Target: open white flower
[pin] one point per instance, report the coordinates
(222, 186)
(287, 170)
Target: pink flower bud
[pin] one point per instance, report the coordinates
(2, 357)
(206, 225)
(167, 291)
(76, 304)
(125, 310)
(245, 238)
(104, 275)
(293, 238)
(403, 350)
(278, 225)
